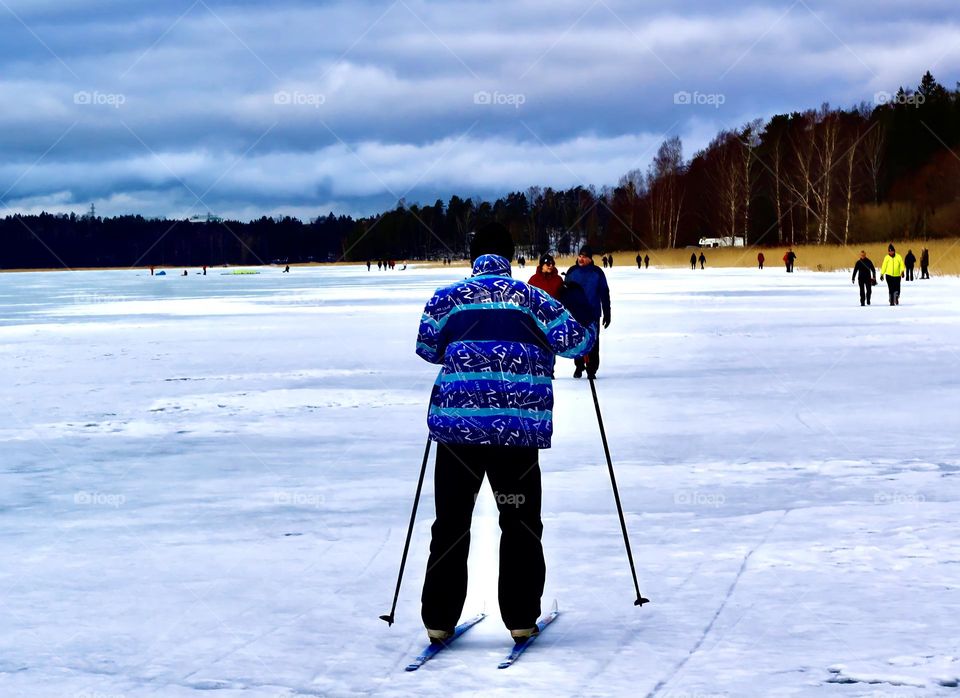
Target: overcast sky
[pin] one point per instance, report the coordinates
(253, 108)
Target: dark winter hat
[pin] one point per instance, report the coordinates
(890, 248)
(587, 251)
(492, 238)
(547, 258)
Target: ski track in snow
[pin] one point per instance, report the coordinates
(723, 604)
(207, 483)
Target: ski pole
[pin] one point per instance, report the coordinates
(616, 495)
(406, 546)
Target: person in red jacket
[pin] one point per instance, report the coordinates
(547, 278)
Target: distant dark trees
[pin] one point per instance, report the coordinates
(873, 172)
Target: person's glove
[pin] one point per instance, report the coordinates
(606, 322)
(881, 277)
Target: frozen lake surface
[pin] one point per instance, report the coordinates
(206, 483)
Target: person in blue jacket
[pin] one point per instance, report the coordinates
(495, 338)
(593, 281)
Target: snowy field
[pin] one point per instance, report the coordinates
(206, 483)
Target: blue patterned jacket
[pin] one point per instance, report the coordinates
(496, 338)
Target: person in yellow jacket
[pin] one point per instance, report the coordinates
(892, 268)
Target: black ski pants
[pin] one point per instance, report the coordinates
(514, 475)
(910, 272)
(592, 362)
(866, 290)
(893, 286)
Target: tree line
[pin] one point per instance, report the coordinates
(886, 170)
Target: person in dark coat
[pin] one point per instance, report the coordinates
(910, 261)
(866, 274)
(593, 281)
(646, 261)
(693, 260)
(760, 259)
(788, 259)
(639, 261)
(703, 260)
(925, 263)
(491, 407)
(610, 260)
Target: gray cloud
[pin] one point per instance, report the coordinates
(301, 108)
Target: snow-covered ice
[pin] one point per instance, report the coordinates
(207, 480)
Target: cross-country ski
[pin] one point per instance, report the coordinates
(435, 648)
(521, 647)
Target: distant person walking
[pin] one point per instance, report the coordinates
(604, 260)
(892, 268)
(866, 274)
(925, 263)
(646, 261)
(703, 260)
(593, 281)
(369, 264)
(788, 259)
(286, 269)
(610, 260)
(639, 261)
(693, 260)
(910, 261)
(760, 259)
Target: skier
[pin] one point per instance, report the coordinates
(593, 281)
(925, 263)
(506, 331)
(547, 278)
(866, 274)
(892, 268)
(693, 260)
(703, 260)
(910, 261)
(760, 259)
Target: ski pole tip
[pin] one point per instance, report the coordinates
(640, 601)
(388, 619)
